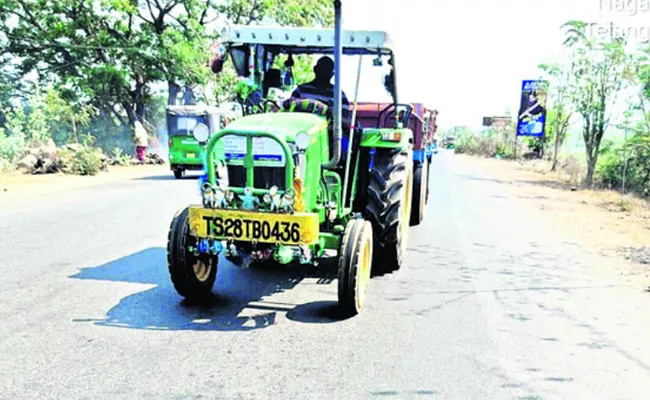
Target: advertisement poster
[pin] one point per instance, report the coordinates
(497, 122)
(531, 119)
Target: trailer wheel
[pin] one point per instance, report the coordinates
(193, 277)
(355, 263)
(389, 206)
(420, 178)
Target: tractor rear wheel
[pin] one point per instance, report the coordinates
(420, 178)
(193, 276)
(355, 261)
(389, 206)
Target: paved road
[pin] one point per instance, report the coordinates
(493, 304)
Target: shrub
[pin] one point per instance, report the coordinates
(120, 157)
(611, 166)
(573, 168)
(83, 158)
(12, 149)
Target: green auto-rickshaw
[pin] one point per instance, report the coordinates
(184, 150)
(449, 143)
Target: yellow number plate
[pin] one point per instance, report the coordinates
(299, 228)
(190, 155)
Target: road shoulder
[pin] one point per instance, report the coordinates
(602, 221)
(16, 187)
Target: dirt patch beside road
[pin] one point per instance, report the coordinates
(16, 185)
(614, 226)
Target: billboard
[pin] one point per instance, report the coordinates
(531, 119)
(497, 122)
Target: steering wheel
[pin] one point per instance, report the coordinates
(405, 117)
(265, 103)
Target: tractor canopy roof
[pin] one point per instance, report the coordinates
(285, 125)
(307, 40)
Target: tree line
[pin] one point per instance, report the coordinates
(70, 68)
(599, 77)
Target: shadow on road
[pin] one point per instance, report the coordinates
(169, 177)
(237, 291)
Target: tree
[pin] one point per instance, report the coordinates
(639, 145)
(66, 114)
(599, 68)
(85, 52)
(559, 110)
(109, 57)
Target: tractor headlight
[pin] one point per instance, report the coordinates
(392, 136)
(201, 133)
(303, 140)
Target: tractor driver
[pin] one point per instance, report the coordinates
(321, 89)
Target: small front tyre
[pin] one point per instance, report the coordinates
(178, 173)
(355, 260)
(193, 276)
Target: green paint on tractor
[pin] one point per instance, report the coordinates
(281, 186)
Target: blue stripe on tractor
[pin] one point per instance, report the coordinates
(428, 151)
(418, 155)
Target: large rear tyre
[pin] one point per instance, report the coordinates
(355, 260)
(193, 276)
(420, 178)
(390, 184)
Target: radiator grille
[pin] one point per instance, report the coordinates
(265, 177)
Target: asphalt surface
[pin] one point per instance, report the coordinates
(493, 304)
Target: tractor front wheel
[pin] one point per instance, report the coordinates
(389, 206)
(420, 178)
(355, 260)
(193, 276)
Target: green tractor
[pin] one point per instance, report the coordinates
(290, 186)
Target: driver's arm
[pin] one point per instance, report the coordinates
(346, 115)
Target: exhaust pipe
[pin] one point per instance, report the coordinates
(338, 55)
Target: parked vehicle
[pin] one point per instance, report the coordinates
(184, 151)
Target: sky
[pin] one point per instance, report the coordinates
(467, 58)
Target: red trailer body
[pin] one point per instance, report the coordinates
(422, 122)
